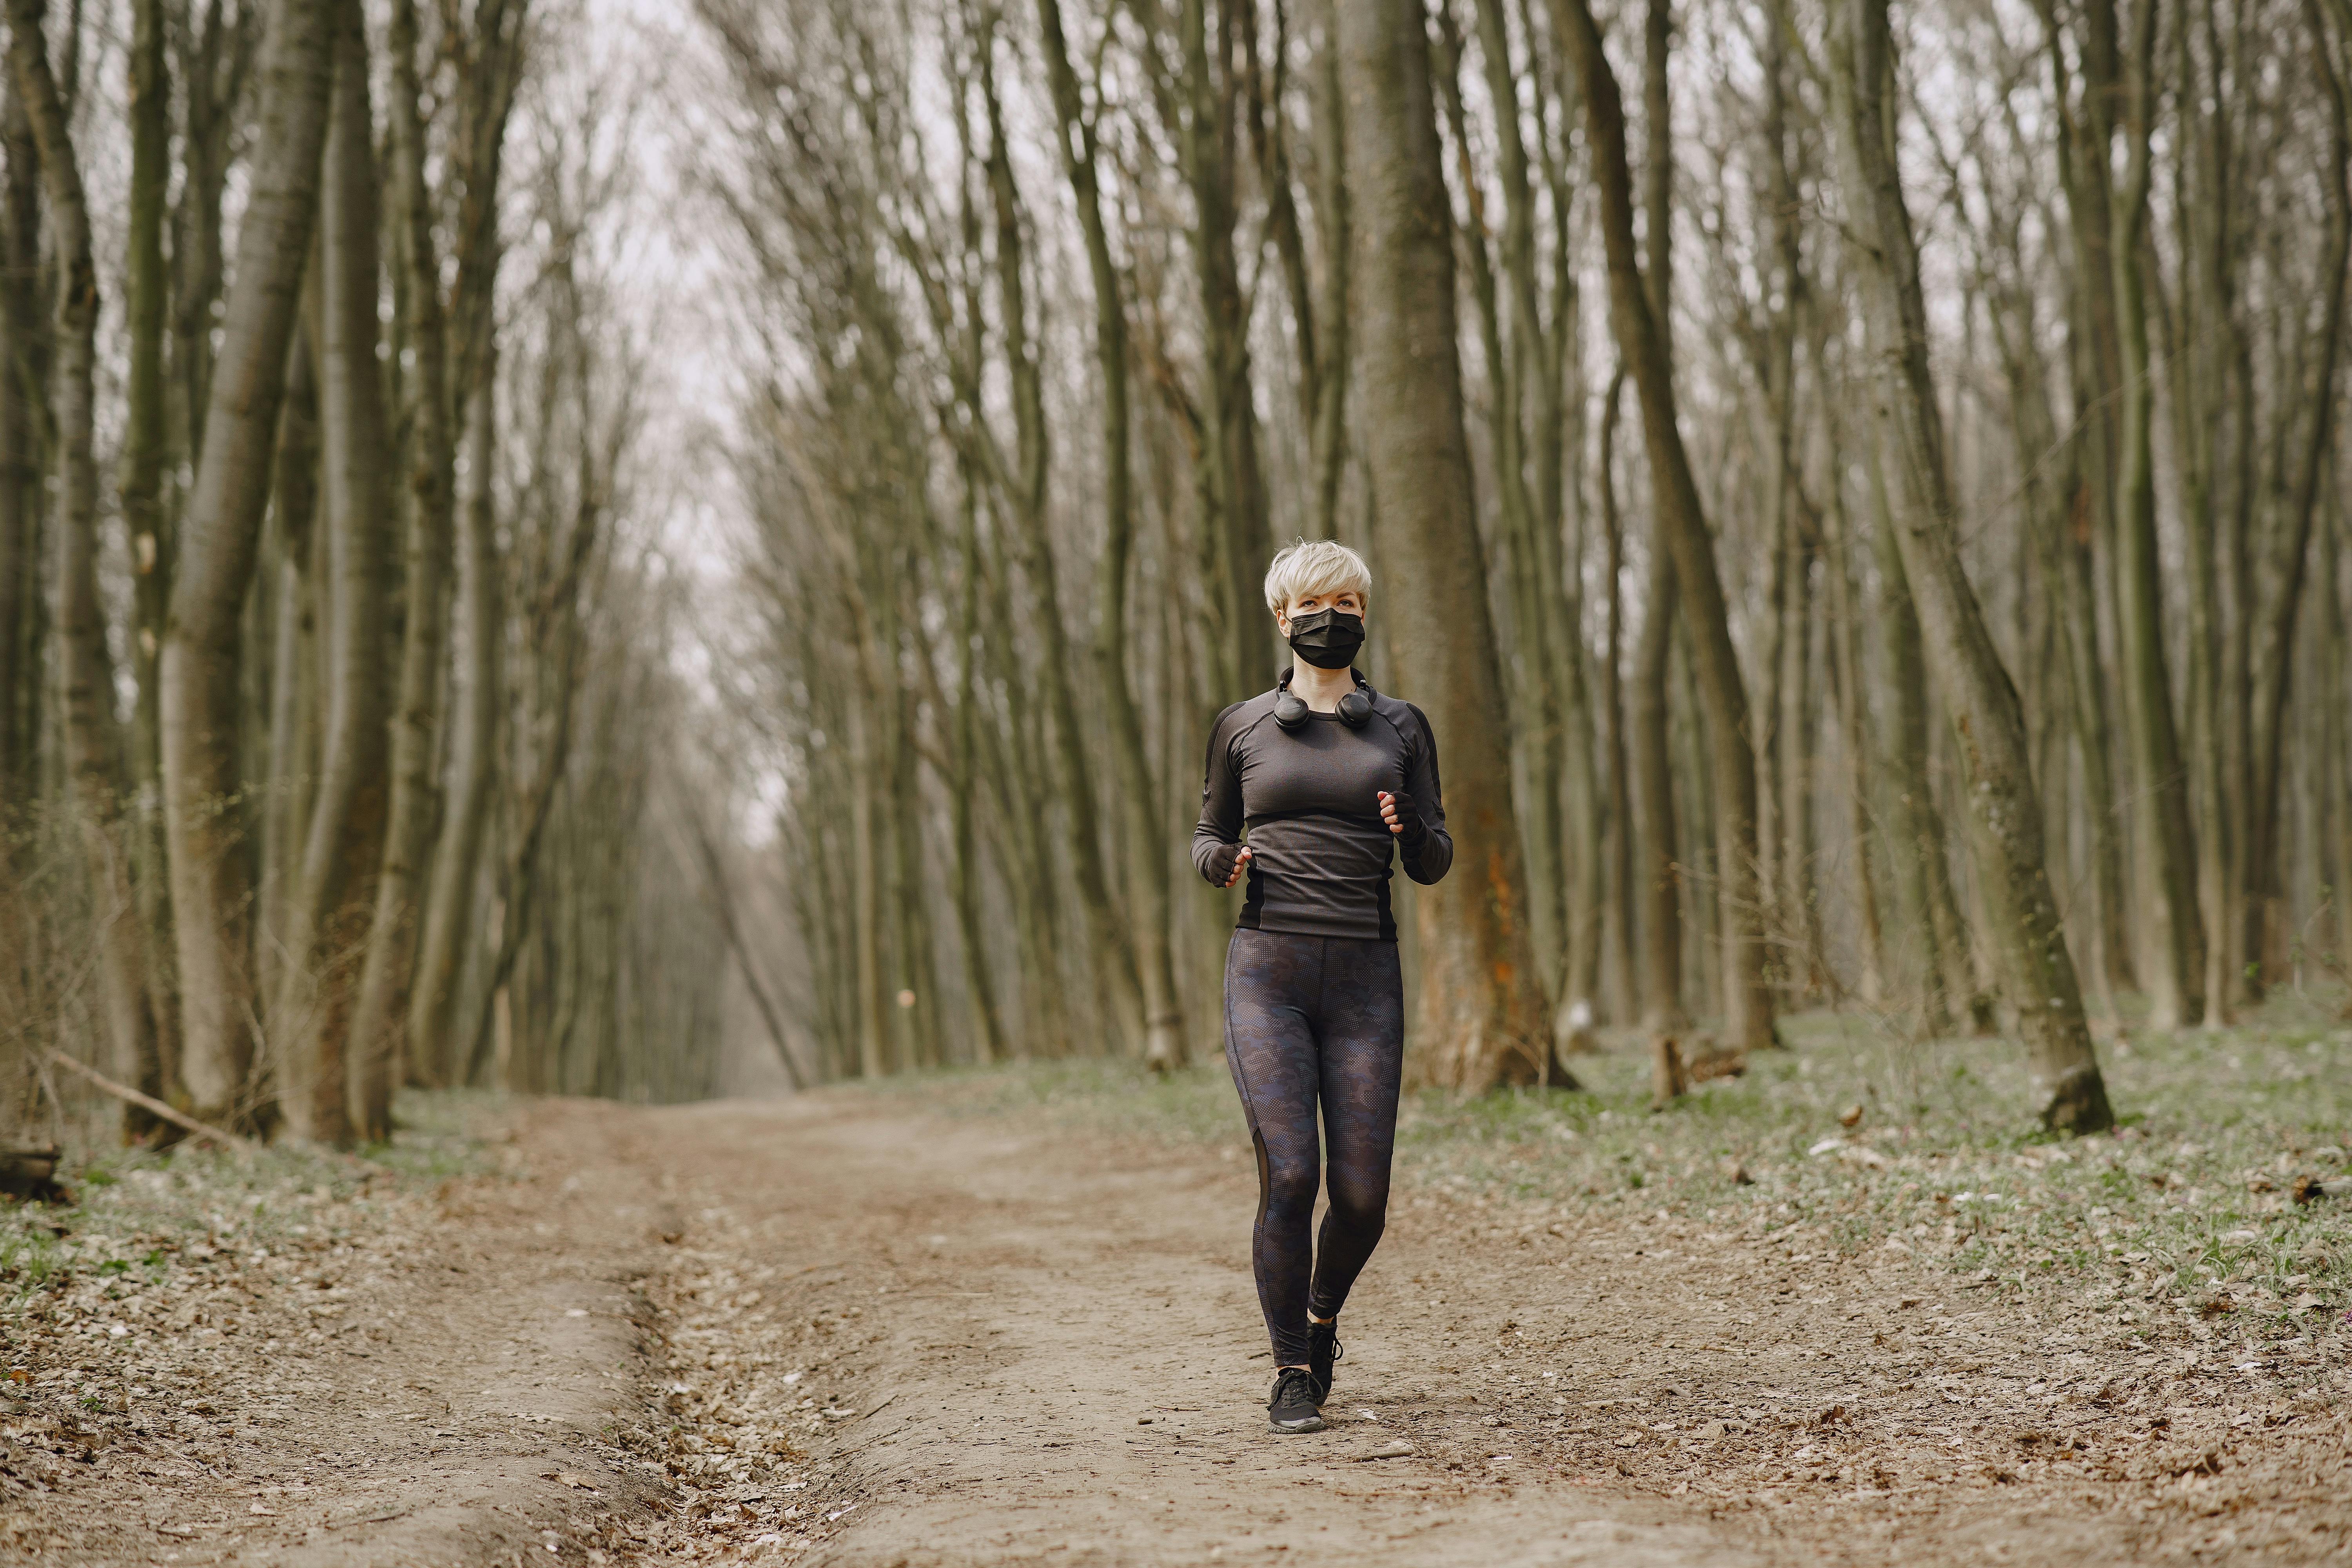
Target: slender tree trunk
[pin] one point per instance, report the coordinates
(1145, 844)
(1111, 954)
(2004, 810)
(21, 378)
(152, 544)
(329, 1096)
(971, 924)
(2173, 937)
(1849, 694)
(1333, 316)
(94, 755)
(1480, 1016)
(2204, 208)
(2274, 656)
(1533, 720)
(1647, 718)
(380, 1016)
(1922, 875)
(1627, 894)
(1642, 335)
(294, 686)
(212, 889)
(436, 1044)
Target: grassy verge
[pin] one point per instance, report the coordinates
(2182, 1223)
(141, 1218)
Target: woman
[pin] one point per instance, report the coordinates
(1331, 779)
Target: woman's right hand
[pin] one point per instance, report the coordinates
(1228, 861)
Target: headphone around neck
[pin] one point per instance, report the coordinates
(1291, 711)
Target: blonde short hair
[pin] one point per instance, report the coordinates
(1319, 568)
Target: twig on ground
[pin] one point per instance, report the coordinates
(149, 1103)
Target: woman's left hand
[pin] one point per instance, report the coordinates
(1389, 812)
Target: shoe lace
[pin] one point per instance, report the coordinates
(1329, 1332)
(1293, 1381)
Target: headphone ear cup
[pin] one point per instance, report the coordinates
(1290, 711)
(1355, 709)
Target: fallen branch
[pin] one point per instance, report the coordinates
(149, 1103)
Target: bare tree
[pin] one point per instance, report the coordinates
(1480, 1019)
(2004, 811)
(212, 890)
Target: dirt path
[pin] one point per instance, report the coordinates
(841, 1330)
(450, 1381)
(1021, 1346)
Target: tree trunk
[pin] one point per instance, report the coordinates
(434, 1044)
(1480, 1021)
(1923, 880)
(380, 1019)
(1848, 692)
(1628, 892)
(21, 343)
(2173, 936)
(94, 755)
(1642, 341)
(1111, 957)
(343, 857)
(294, 667)
(2274, 656)
(1146, 843)
(2005, 812)
(1232, 484)
(152, 544)
(212, 886)
(1648, 718)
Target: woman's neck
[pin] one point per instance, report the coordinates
(1321, 688)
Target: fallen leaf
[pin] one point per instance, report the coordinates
(1850, 1117)
(1396, 1449)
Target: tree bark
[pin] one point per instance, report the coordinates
(450, 903)
(1480, 1018)
(1627, 893)
(294, 667)
(2004, 810)
(1232, 484)
(211, 887)
(2273, 655)
(2173, 936)
(380, 1016)
(152, 544)
(94, 755)
(21, 343)
(325, 1098)
(1643, 340)
(1145, 844)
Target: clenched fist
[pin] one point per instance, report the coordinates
(1226, 864)
(1397, 811)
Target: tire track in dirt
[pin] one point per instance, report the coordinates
(1026, 1345)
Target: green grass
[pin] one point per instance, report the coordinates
(138, 1213)
(2180, 1222)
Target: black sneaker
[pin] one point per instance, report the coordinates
(1323, 1348)
(1291, 1408)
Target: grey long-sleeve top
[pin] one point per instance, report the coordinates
(1319, 853)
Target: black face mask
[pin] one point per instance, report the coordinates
(1327, 640)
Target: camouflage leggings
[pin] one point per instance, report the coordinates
(1313, 1019)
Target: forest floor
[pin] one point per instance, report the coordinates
(1843, 1311)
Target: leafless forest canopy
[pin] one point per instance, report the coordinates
(539, 536)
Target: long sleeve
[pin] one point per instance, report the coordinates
(1219, 827)
(1432, 857)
